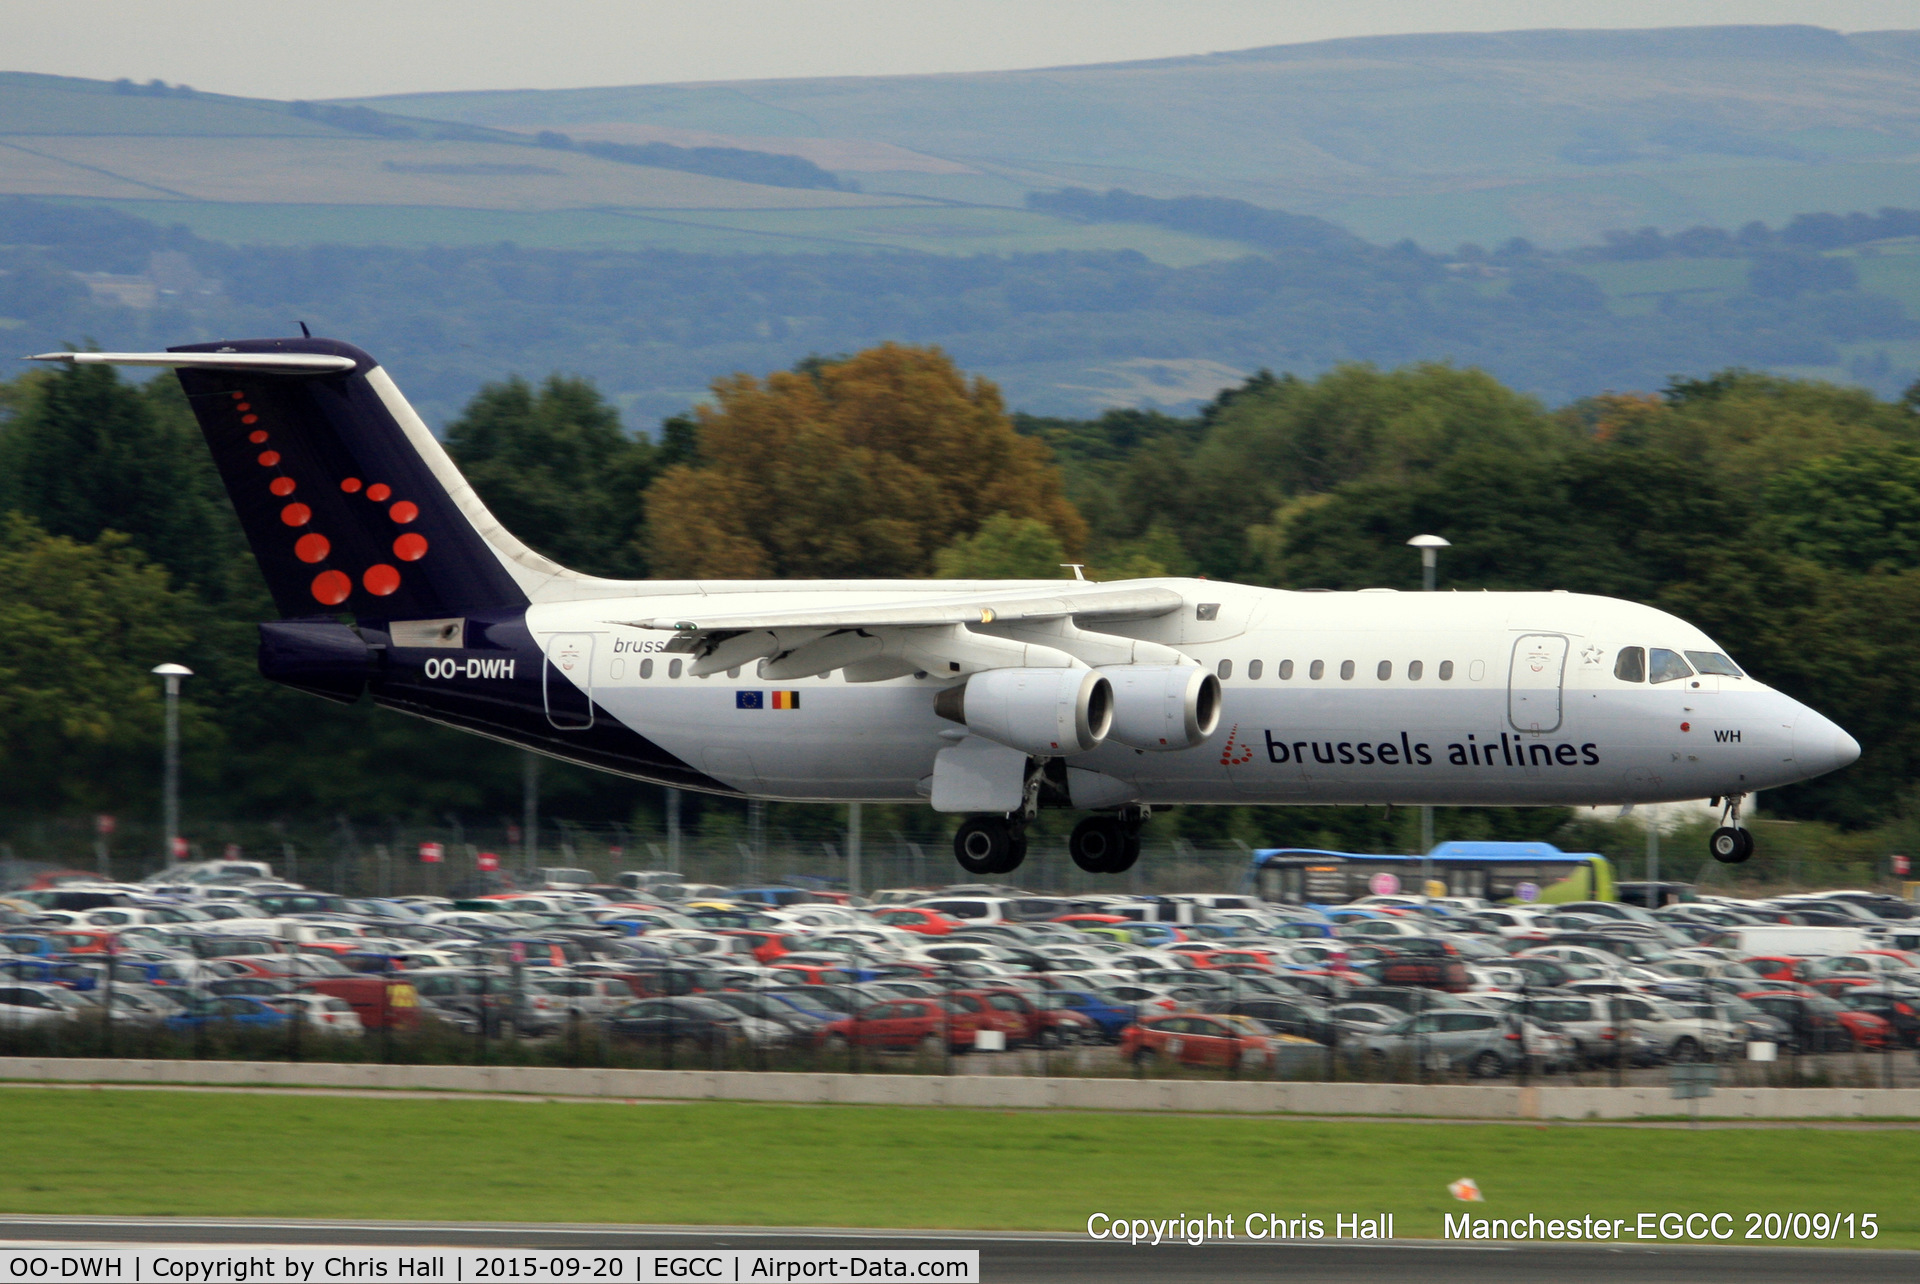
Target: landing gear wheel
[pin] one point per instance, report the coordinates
(1129, 854)
(1098, 843)
(989, 845)
(1730, 846)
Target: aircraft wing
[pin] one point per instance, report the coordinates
(936, 633)
(1095, 601)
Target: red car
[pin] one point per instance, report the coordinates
(1093, 920)
(1821, 1025)
(1024, 1022)
(902, 1025)
(924, 921)
(767, 946)
(1191, 1039)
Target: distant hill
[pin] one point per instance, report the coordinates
(296, 173)
(1556, 136)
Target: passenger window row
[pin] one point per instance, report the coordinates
(1658, 664)
(1317, 670)
(674, 669)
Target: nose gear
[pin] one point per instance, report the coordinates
(1731, 844)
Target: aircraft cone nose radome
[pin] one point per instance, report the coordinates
(1820, 745)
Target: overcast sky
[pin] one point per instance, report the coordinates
(346, 48)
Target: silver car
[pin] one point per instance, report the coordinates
(1484, 1044)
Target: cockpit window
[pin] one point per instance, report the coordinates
(1631, 664)
(1715, 663)
(1667, 665)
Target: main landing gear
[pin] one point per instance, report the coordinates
(991, 844)
(1731, 844)
(1107, 844)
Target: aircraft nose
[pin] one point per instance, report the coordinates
(1820, 745)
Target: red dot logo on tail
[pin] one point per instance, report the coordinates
(330, 588)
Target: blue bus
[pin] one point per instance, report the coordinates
(1490, 871)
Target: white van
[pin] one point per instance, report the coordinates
(1797, 942)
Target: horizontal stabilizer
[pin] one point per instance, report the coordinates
(263, 362)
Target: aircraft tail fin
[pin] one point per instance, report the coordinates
(347, 499)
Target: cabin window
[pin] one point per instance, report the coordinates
(1317, 670)
(1384, 670)
(1631, 664)
(673, 669)
(1254, 670)
(1226, 669)
(646, 668)
(1446, 670)
(1414, 670)
(1667, 666)
(734, 672)
(1346, 670)
(1286, 670)
(1715, 663)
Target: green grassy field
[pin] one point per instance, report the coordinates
(188, 1154)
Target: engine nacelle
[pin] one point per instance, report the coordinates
(1163, 707)
(1043, 712)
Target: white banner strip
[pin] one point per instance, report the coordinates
(272, 1264)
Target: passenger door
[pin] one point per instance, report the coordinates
(1534, 681)
(566, 681)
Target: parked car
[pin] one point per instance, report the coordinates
(1197, 1040)
(1483, 1044)
(693, 1021)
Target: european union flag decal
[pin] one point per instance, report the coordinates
(749, 700)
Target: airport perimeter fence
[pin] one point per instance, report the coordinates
(360, 859)
(512, 1034)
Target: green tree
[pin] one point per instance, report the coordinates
(1281, 438)
(1004, 548)
(82, 452)
(1858, 511)
(81, 625)
(557, 469)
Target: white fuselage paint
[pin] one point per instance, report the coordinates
(1334, 739)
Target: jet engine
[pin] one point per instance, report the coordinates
(1163, 707)
(1043, 712)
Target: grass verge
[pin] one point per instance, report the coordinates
(721, 1162)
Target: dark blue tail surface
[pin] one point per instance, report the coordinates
(341, 508)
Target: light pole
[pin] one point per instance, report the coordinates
(853, 849)
(170, 779)
(1429, 546)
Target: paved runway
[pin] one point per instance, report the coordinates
(1019, 1258)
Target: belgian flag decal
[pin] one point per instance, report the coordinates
(766, 700)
